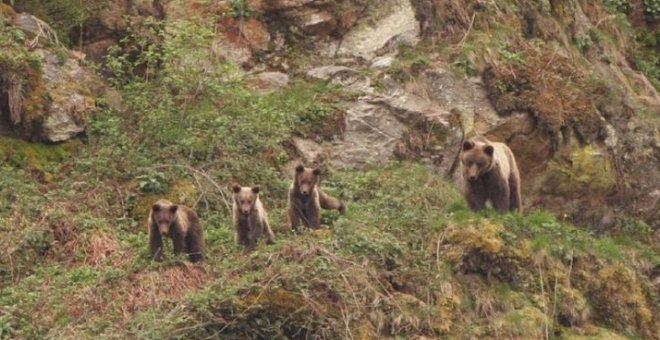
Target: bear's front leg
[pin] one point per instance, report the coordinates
(155, 245)
(294, 218)
(314, 218)
(476, 195)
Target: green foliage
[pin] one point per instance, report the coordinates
(240, 8)
(648, 61)
(583, 42)
(618, 5)
(652, 8)
(63, 15)
(507, 52)
(465, 66)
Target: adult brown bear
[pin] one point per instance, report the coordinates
(490, 173)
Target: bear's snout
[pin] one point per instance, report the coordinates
(472, 178)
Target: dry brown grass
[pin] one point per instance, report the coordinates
(138, 292)
(100, 248)
(545, 84)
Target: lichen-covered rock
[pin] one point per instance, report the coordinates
(269, 81)
(316, 22)
(71, 91)
(384, 33)
(49, 95)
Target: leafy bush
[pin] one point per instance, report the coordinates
(652, 8)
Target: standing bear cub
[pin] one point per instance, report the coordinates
(179, 223)
(306, 199)
(250, 219)
(490, 172)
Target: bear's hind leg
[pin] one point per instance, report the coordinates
(515, 198)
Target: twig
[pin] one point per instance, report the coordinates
(609, 17)
(545, 307)
(347, 322)
(263, 289)
(357, 304)
(460, 43)
(204, 175)
(437, 249)
(554, 302)
(121, 201)
(570, 269)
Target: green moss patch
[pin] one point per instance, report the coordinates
(34, 155)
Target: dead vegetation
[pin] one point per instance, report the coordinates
(543, 83)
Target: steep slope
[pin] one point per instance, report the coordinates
(215, 92)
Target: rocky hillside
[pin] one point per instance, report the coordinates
(108, 105)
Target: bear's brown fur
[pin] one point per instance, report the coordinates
(250, 218)
(490, 173)
(306, 199)
(179, 223)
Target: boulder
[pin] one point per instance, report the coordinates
(382, 33)
(71, 91)
(268, 81)
(287, 4)
(372, 132)
(35, 29)
(342, 75)
(316, 22)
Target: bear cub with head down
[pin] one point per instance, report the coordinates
(490, 173)
(306, 199)
(179, 223)
(250, 219)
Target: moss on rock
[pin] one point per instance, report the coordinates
(34, 155)
(584, 169)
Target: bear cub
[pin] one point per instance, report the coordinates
(250, 219)
(179, 223)
(306, 199)
(490, 173)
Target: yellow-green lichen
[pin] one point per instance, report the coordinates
(583, 169)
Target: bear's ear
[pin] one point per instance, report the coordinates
(235, 188)
(255, 189)
(488, 149)
(155, 208)
(300, 168)
(174, 208)
(316, 171)
(468, 145)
